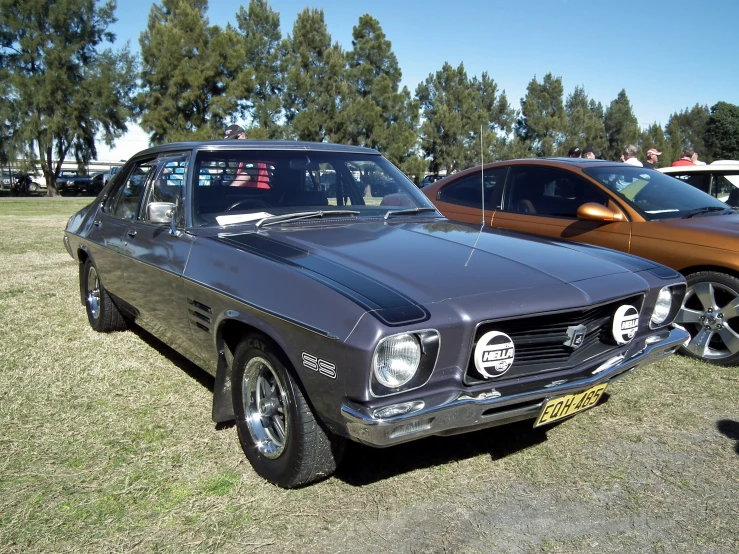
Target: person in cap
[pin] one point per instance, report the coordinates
(589, 152)
(629, 156)
(574, 152)
(234, 132)
(688, 158)
(652, 158)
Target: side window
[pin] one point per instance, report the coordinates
(701, 181)
(724, 185)
(549, 191)
(467, 191)
(125, 198)
(169, 182)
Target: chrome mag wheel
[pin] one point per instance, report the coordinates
(93, 292)
(265, 407)
(710, 313)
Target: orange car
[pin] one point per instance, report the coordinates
(627, 208)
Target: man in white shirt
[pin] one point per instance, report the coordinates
(629, 156)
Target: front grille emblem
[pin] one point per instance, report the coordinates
(576, 336)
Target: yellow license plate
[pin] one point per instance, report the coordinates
(564, 406)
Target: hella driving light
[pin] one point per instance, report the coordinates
(396, 360)
(662, 307)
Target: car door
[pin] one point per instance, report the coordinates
(544, 200)
(155, 258)
(105, 244)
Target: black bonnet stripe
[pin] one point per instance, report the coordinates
(386, 304)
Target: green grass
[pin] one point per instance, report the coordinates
(106, 445)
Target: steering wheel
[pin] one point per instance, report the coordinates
(255, 203)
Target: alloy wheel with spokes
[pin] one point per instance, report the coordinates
(280, 435)
(710, 313)
(93, 292)
(264, 403)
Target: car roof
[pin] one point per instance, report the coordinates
(271, 145)
(721, 165)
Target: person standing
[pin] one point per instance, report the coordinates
(589, 152)
(652, 158)
(574, 152)
(629, 156)
(234, 132)
(687, 158)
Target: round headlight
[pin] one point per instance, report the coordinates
(396, 360)
(662, 307)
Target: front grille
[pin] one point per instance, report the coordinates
(539, 340)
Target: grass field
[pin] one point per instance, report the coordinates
(106, 445)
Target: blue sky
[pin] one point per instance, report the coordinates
(667, 55)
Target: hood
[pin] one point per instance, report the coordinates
(432, 261)
(719, 231)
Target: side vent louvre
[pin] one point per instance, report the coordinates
(200, 315)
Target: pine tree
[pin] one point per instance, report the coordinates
(189, 73)
(542, 121)
(691, 128)
(60, 86)
(622, 127)
(454, 109)
(722, 132)
(261, 79)
(584, 123)
(374, 112)
(315, 73)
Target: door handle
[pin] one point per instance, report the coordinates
(96, 223)
(131, 233)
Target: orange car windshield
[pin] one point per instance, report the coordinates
(654, 194)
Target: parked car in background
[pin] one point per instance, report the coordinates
(719, 179)
(96, 183)
(72, 182)
(109, 175)
(353, 317)
(428, 179)
(627, 208)
(12, 181)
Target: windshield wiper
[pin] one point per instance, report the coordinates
(408, 211)
(704, 210)
(302, 215)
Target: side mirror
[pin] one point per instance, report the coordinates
(591, 211)
(160, 212)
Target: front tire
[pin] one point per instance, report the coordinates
(102, 313)
(278, 432)
(710, 313)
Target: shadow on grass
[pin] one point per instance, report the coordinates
(363, 465)
(729, 429)
(192, 370)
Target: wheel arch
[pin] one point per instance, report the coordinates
(230, 333)
(707, 267)
(82, 257)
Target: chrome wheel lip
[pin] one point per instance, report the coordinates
(265, 407)
(703, 324)
(93, 293)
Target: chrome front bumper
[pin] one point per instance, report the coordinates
(467, 414)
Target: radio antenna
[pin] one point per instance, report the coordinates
(482, 195)
(482, 178)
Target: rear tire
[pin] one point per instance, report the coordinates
(282, 439)
(710, 313)
(102, 313)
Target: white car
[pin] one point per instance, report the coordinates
(719, 179)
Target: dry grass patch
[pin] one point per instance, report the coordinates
(107, 446)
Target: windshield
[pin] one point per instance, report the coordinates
(242, 185)
(653, 194)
